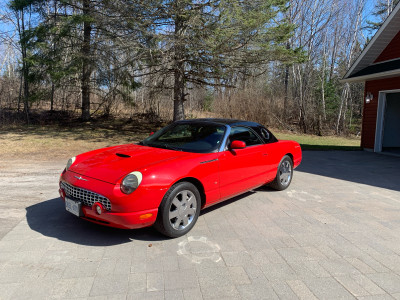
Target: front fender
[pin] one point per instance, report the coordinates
(203, 167)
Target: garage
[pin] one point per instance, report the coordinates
(391, 124)
(378, 66)
(387, 135)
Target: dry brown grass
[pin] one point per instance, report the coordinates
(52, 141)
(43, 143)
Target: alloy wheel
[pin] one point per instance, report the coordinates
(285, 172)
(182, 210)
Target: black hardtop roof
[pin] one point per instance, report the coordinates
(230, 122)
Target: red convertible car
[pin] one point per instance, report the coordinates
(169, 177)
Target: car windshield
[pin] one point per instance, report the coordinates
(188, 137)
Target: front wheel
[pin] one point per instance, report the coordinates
(284, 175)
(179, 210)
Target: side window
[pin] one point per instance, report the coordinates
(266, 135)
(244, 134)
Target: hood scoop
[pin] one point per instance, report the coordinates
(122, 155)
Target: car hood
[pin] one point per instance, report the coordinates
(112, 164)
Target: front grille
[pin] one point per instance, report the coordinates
(86, 197)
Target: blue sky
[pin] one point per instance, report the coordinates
(4, 27)
(369, 8)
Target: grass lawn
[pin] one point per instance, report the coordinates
(312, 142)
(43, 142)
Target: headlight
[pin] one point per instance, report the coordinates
(131, 182)
(70, 162)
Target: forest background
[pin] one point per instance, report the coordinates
(275, 62)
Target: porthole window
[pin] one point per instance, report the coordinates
(265, 134)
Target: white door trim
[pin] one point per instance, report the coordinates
(380, 118)
(380, 115)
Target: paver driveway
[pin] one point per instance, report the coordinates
(335, 233)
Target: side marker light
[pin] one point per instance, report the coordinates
(145, 216)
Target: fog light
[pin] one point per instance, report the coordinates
(99, 208)
(145, 216)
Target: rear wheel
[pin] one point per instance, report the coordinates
(179, 210)
(284, 175)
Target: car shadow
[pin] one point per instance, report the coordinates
(51, 219)
(356, 166)
(225, 203)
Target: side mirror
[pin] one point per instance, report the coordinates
(238, 145)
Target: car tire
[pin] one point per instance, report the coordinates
(179, 210)
(284, 174)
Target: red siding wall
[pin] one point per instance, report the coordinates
(391, 51)
(370, 109)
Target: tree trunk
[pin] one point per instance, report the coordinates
(285, 99)
(52, 97)
(20, 91)
(26, 89)
(25, 70)
(86, 67)
(179, 96)
(342, 102)
(179, 73)
(323, 79)
(54, 50)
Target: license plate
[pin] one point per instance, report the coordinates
(74, 207)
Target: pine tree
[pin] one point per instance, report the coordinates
(205, 42)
